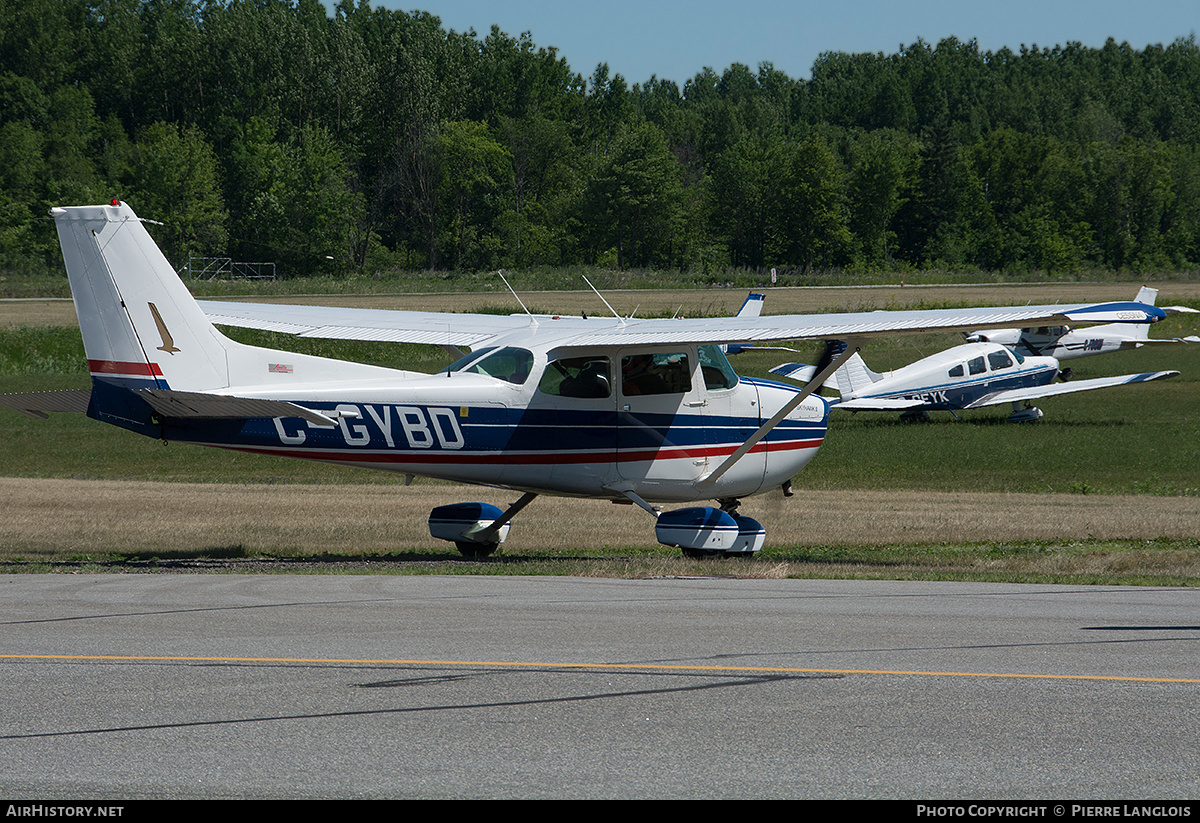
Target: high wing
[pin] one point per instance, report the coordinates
(1033, 393)
(381, 325)
(474, 330)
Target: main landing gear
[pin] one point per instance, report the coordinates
(475, 529)
(1026, 413)
(705, 532)
(478, 529)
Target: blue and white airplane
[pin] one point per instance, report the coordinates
(1064, 343)
(647, 411)
(970, 376)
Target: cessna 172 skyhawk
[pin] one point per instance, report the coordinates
(970, 376)
(646, 411)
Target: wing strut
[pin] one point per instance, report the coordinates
(852, 348)
(495, 526)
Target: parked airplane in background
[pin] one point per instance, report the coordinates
(970, 376)
(647, 411)
(1065, 343)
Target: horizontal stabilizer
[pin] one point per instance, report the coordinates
(797, 371)
(1037, 392)
(37, 404)
(180, 404)
(1164, 341)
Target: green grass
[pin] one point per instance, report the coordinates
(1139, 439)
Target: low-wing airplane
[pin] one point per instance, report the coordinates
(970, 376)
(647, 411)
(1065, 343)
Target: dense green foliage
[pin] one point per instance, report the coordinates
(267, 130)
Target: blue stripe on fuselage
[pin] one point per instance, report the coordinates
(394, 427)
(957, 395)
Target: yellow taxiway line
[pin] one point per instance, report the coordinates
(600, 666)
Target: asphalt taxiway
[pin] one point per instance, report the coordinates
(208, 686)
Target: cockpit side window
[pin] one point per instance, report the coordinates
(998, 360)
(658, 373)
(588, 376)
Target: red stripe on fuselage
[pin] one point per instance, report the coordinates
(125, 368)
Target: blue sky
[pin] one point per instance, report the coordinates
(675, 39)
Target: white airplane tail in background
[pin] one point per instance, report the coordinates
(854, 375)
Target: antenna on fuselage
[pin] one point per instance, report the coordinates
(601, 296)
(532, 320)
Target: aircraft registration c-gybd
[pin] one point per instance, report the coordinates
(647, 411)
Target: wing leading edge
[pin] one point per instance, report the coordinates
(474, 330)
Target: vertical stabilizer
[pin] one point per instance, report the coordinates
(852, 376)
(141, 327)
(1147, 295)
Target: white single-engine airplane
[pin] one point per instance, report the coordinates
(970, 376)
(646, 411)
(1065, 343)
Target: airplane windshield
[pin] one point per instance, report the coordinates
(510, 363)
(458, 364)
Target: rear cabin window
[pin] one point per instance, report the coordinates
(975, 365)
(957, 371)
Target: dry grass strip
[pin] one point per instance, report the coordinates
(54, 518)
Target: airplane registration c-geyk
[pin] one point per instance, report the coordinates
(647, 411)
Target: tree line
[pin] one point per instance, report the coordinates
(269, 130)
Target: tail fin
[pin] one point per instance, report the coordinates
(1145, 295)
(852, 376)
(753, 306)
(143, 330)
(141, 327)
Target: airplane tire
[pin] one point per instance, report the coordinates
(475, 550)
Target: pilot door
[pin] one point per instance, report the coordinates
(660, 416)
